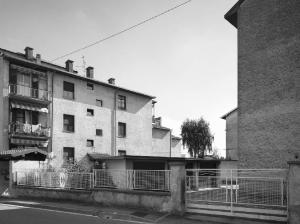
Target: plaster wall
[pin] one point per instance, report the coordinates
(137, 118)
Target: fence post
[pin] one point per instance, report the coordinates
(177, 187)
(231, 192)
(294, 192)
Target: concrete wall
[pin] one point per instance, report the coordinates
(161, 142)
(158, 201)
(268, 83)
(176, 148)
(137, 118)
(294, 192)
(232, 136)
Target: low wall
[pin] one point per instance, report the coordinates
(159, 201)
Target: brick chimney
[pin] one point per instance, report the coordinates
(111, 81)
(90, 72)
(38, 58)
(69, 65)
(29, 53)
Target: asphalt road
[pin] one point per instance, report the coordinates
(11, 214)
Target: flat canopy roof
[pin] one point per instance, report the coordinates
(33, 154)
(99, 156)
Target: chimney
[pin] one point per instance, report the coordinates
(38, 58)
(69, 66)
(90, 72)
(29, 53)
(111, 81)
(157, 121)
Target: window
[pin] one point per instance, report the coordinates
(121, 102)
(90, 86)
(99, 132)
(90, 112)
(68, 155)
(68, 90)
(99, 103)
(122, 152)
(121, 130)
(69, 123)
(90, 143)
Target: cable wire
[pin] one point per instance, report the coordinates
(122, 31)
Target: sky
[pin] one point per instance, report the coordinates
(186, 58)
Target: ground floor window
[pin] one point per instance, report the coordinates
(68, 155)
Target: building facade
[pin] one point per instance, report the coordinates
(268, 81)
(52, 108)
(231, 119)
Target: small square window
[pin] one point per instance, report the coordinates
(99, 132)
(99, 103)
(90, 86)
(122, 152)
(90, 143)
(121, 130)
(90, 112)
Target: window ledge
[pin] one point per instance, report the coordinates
(70, 132)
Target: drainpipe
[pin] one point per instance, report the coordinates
(170, 142)
(113, 128)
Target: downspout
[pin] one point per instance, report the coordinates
(51, 114)
(113, 124)
(170, 142)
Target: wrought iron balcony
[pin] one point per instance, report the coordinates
(25, 91)
(18, 128)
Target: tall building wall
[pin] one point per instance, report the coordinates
(232, 136)
(268, 83)
(137, 117)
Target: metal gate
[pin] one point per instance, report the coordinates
(246, 193)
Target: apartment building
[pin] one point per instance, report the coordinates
(51, 110)
(268, 116)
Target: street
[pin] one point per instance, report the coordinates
(12, 214)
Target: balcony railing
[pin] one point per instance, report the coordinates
(38, 130)
(15, 89)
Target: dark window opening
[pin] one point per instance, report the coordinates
(90, 143)
(90, 86)
(68, 155)
(69, 125)
(99, 103)
(99, 132)
(121, 102)
(68, 90)
(90, 112)
(122, 152)
(121, 130)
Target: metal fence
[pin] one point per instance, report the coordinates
(154, 180)
(158, 180)
(71, 180)
(256, 187)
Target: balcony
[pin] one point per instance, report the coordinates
(20, 91)
(28, 130)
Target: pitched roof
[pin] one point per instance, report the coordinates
(26, 154)
(231, 15)
(227, 114)
(54, 67)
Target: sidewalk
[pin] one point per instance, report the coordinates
(115, 213)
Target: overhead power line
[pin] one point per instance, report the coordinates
(122, 31)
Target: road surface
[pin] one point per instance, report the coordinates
(12, 214)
